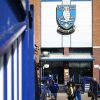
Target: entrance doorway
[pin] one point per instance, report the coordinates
(56, 71)
(77, 70)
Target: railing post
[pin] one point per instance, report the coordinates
(32, 75)
(28, 68)
(25, 65)
(5, 77)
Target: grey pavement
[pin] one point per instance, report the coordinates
(63, 96)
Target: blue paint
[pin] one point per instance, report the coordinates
(31, 61)
(12, 74)
(7, 19)
(25, 59)
(61, 0)
(25, 66)
(5, 77)
(11, 18)
(12, 13)
(10, 36)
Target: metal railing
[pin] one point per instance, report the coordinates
(17, 78)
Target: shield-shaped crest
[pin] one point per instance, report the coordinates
(65, 16)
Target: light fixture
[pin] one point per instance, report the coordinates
(96, 66)
(45, 53)
(46, 66)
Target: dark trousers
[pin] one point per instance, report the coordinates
(70, 98)
(94, 97)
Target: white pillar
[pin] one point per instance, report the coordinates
(66, 2)
(66, 38)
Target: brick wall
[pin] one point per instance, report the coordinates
(96, 37)
(96, 22)
(37, 27)
(96, 31)
(66, 51)
(31, 1)
(96, 54)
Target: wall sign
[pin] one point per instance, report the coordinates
(65, 16)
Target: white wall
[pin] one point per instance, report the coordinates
(49, 36)
(82, 37)
(83, 33)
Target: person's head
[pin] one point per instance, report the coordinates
(47, 82)
(70, 85)
(91, 81)
(71, 79)
(77, 86)
(74, 87)
(53, 81)
(94, 79)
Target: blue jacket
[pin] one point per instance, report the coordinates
(54, 88)
(77, 95)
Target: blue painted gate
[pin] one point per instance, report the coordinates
(17, 78)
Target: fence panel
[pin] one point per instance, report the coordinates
(17, 70)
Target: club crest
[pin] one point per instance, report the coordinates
(65, 16)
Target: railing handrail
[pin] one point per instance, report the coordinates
(10, 35)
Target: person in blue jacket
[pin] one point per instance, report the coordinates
(77, 93)
(54, 89)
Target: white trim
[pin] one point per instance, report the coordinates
(24, 4)
(96, 46)
(97, 66)
(77, 56)
(9, 75)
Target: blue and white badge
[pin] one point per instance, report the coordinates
(66, 15)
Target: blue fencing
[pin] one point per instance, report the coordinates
(17, 70)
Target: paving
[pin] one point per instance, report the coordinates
(63, 96)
